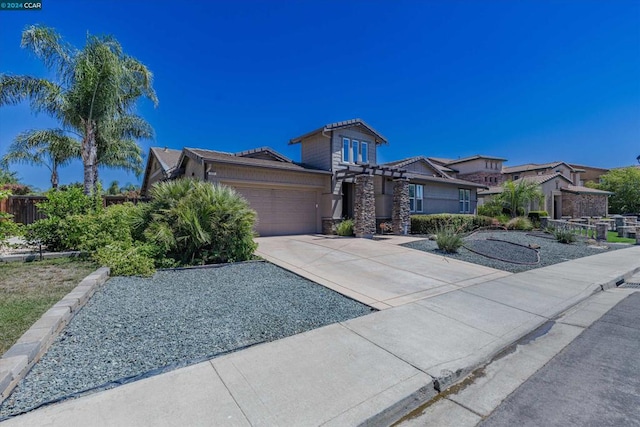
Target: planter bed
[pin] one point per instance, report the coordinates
(135, 327)
(551, 251)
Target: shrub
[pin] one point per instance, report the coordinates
(196, 222)
(125, 259)
(345, 228)
(564, 236)
(492, 208)
(8, 228)
(448, 240)
(519, 223)
(431, 224)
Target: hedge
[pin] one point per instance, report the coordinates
(431, 224)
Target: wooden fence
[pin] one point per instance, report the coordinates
(25, 211)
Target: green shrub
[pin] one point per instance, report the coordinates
(492, 208)
(519, 223)
(124, 259)
(345, 228)
(72, 201)
(431, 224)
(564, 236)
(196, 222)
(8, 228)
(503, 218)
(449, 240)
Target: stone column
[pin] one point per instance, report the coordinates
(364, 209)
(400, 215)
(544, 222)
(619, 221)
(637, 235)
(601, 231)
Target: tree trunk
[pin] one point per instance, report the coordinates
(54, 177)
(89, 156)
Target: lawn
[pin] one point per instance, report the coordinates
(612, 236)
(27, 290)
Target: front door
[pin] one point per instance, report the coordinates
(348, 197)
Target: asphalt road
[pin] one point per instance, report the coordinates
(594, 381)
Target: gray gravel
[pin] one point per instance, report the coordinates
(551, 252)
(132, 326)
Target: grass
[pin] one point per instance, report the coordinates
(27, 290)
(612, 236)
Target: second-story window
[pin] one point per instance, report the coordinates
(354, 151)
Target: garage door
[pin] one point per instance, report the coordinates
(283, 211)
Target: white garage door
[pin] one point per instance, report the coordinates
(283, 211)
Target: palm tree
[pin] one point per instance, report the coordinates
(517, 195)
(49, 147)
(95, 91)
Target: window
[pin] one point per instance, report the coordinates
(354, 151)
(354, 147)
(465, 200)
(416, 196)
(345, 150)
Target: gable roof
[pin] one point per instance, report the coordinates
(167, 159)
(380, 139)
(541, 179)
(203, 155)
(266, 153)
(535, 166)
(409, 160)
(538, 179)
(475, 157)
(585, 190)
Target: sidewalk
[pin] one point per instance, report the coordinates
(370, 370)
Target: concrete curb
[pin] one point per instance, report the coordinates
(34, 343)
(419, 398)
(36, 256)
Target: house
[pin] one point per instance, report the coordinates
(338, 177)
(560, 183)
(481, 169)
(590, 173)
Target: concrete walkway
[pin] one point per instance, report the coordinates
(372, 369)
(377, 273)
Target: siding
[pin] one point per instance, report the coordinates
(316, 151)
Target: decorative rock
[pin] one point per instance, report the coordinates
(544, 222)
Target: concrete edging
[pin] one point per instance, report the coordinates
(34, 256)
(33, 344)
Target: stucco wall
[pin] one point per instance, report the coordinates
(193, 169)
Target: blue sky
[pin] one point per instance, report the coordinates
(531, 81)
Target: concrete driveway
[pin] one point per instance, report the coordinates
(379, 273)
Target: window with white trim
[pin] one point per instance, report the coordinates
(416, 198)
(354, 151)
(465, 200)
(345, 149)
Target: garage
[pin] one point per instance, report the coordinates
(283, 210)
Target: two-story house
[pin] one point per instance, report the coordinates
(481, 169)
(338, 177)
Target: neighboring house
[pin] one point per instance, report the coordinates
(513, 173)
(590, 173)
(161, 165)
(481, 169)
(561, 196)
(338, 177)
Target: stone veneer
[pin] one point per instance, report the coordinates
(400, 215)
(578, 205)
(329, 225)
(364, 210)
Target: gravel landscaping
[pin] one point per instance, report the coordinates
(490, 242)
(134, 327)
